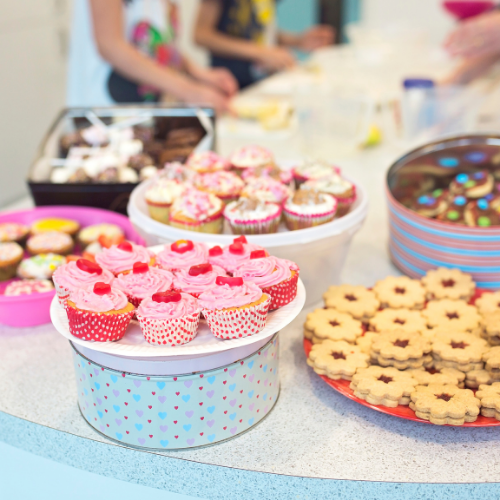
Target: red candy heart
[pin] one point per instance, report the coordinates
(200, 269)
(182, 246)
(125, 246)
(240, 239)
(88, 266)
(258, 254)
(226, 280)
(140, 268)
(101, 288)
(237, 248)
(214, 251)
(167, 297)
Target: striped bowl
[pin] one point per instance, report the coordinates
(418, 244)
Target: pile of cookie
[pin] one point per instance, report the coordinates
(411, 342)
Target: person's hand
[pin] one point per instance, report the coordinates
(204, 94)
(220, 78)
(315, 37)
(468, 70)
(275, 58)
(475, 37)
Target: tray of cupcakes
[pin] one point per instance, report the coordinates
(423, 350)
(35, 243)
(186, 298)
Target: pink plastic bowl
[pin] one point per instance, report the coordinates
(34, 309)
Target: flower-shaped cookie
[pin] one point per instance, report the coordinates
(355, 300)
(330, 324)
(431, 375)
(456, 314)
(337, 360)
(383, 386)
(489, 395)
(398, 319)
(400, 292)
(401, 349)
(492, 359)
(475, 378)
(463, 351)
(444, 404)
(488, 303)
(491, 324)
(365, 342)
(444, 283)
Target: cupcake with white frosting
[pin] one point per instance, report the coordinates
(311, 170)
(160, 197)
(308, 208)
(252, 216)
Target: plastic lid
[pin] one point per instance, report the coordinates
(418, 83)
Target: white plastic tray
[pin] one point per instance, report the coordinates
(134, 345)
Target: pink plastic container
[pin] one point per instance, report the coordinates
(463, 9)
(34, 309)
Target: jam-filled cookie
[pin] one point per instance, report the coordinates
(491, 328)
(473, 185)
(431, 204)
(400, 292)
(489, 395)
(492, 359)
(456, 314)
(455, 211)
(475, 378)
(433, 375)
(365, 341)
(444, 404)
(383, 386)
(330, 324)
(398, 319)
(488, 303)
(337, 360)
(355, 300)
(445, 283)
(483, 212)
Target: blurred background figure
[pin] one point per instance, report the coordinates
(242, 36)
(125, 51)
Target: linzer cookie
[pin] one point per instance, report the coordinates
(488, 303)
(397, 319)
(491, 325)
(489, 395)
(492, 359)
(400, 293)
(401, 349)
(337, 360)
(433, 375)
(444, 404)
(475, 378)
(365, 341)
(355, 300)
(462, 351)
(383, 386)
(456, 314)
(329, 324)
(444, 283)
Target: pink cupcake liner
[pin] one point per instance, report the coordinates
(345, 204)
(237, 323)
(264, 226)
(176, 331)
(97, 327)
(296, 221)
(282, 293)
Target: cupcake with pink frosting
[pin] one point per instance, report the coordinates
(78, 274)
(182, 254)
(272, 171)
(232, 256)
(197, 279)
(272, 275)
(143, 281)
(234, 308)
(207, 162)
(251, 157)
(225, 185)
(169, 318)
(98, 313)
(122, 257)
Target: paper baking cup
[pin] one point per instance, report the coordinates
(62, 293)
(300, 221)
(97, 327)
(176, 331)
(211, 225)
(158, 211)
(282, 293)
(264, 226)
(237, 323)
(344, 204)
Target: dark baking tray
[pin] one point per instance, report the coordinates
(113, 196)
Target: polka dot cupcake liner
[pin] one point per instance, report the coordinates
(97, 327)
(283, 293)
(237, 323)
(176, 331)
(62, 293)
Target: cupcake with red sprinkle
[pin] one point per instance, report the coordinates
(272, 275)
(143, 281)
(78, 274)
(234, 308)
(308, 208)
(169, 318)
(225, 185)
(232, 256)
(197, 279)
(182, 254)
(98, 313)
(122, 257)
(207, 162)
(252, 216)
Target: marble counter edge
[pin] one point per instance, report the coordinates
(212, 481)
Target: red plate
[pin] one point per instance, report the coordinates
(400, 411)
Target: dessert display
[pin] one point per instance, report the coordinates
(40, 266)
(13, 232)
(419, 346)
(51, 225)
(254, 191)
(91, 234)
(11, 255)
(27, 287)
(50, 242)
(233, 288)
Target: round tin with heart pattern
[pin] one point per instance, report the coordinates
(175, 412)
